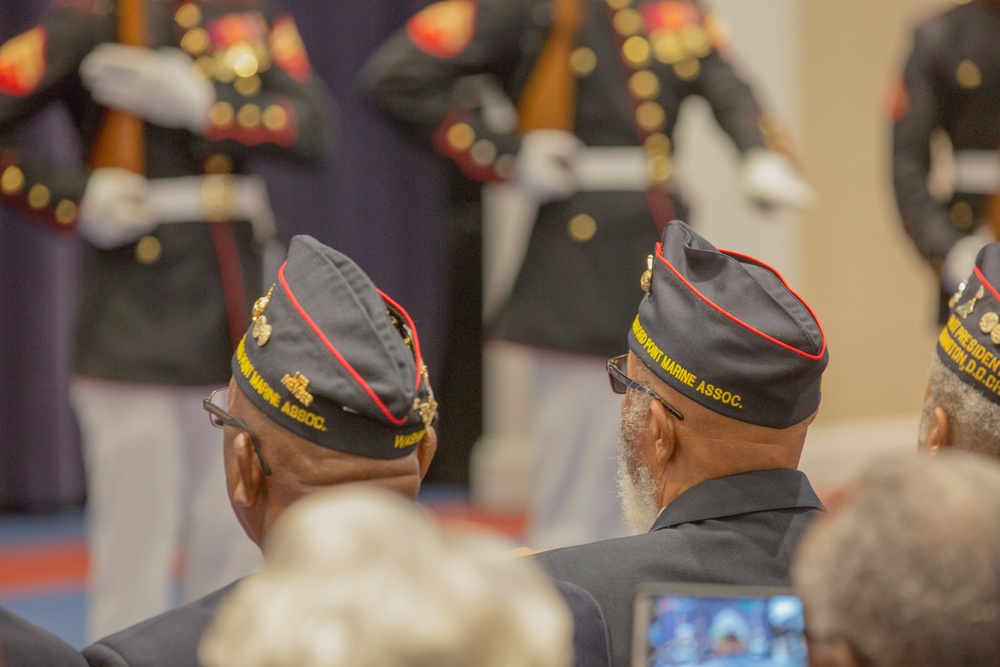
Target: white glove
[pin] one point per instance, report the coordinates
(545, 164)
(162, 86)
(769, 178)
(961, 259)
(115, 209)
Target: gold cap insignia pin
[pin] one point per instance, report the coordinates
(988, 324)
(428, 408)
(261, 329)
(966, 308)
(646, 281)
(299, 386)
(957, 295)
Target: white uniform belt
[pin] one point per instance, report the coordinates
(977, 172)
(610, 168)
(212, 198)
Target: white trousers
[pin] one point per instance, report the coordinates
(155, 488)
(577, 424)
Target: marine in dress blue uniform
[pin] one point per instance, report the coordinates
(950, 84)
(598, 86)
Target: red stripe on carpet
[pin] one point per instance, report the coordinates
(50, 566)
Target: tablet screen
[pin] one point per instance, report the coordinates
(718, 626)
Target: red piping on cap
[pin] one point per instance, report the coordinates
(398, 421)
(659, 255)
(413, 332)
(984, 281)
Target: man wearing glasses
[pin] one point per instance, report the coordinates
(329, 387)
(720, 383)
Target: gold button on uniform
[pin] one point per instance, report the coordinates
(687, 69)
(660, 169)
(221, 114)
(483, 152)
(582, 228)
(39, 196)
(695, 39)
(195, 41)
(247, 87)
(66, 212)
(275, 118)
(650, 116)
(618, 4)
(12, 180)
(644, 85)
(667, 48)
(627, 22)
(962, 216)
(657, 144)
(218, 164)
(148, 250)
(968, 74)
(188, 15)
(248, 116)
(636, 50)
(582, 61)
(461, 136)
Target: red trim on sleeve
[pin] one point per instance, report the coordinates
(722, 311)
(398, 421)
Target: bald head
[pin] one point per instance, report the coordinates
(300, 467)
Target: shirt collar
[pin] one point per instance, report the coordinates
(758, 491)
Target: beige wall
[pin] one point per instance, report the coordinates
(873, 294)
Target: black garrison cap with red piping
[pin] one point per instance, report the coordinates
(332, 359)
(726, 331)
(969, 343)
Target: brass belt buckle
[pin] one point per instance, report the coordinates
(218, 197)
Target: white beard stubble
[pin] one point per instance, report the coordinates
(638, 492)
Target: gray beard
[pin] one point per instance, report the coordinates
(638, 492)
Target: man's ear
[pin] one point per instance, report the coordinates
(939, 435)
(664, 436)
(249, 477)
(426, 449)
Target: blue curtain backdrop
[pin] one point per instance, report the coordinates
(377, 199)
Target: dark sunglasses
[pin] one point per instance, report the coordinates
(215, 405)
(620, 382)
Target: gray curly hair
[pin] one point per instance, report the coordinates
(906, 570)
(973, 419)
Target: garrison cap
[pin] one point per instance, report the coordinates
(727, 332)
(332, 359)
(969, 344)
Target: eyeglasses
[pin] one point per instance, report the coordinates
(620, 382)
(215, 405)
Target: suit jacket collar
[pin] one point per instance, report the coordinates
(757, 491)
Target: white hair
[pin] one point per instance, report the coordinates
(973, 419)
(357, 577)
(638, 491)
(906, 570)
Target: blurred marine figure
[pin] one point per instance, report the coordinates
(171, 102)
(949, 86)
(597, 86)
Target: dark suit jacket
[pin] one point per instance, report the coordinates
(734, 530)
(171, 639)
(24, 644)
